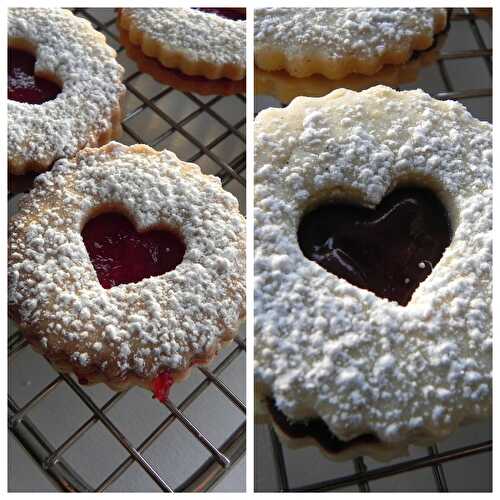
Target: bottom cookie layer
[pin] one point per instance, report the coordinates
(92, 375)
(316, 429)
(315, 432)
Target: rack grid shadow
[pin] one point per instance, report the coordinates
(176, 446)
(358, 475)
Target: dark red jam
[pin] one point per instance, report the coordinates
(120, 254)
(161, 386)
(23, 85)
(389, 250)
(236, 14)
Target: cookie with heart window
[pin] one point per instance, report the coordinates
(199, 42)
(127, 266)
(64, 88)
(373, 232)
(336, 42)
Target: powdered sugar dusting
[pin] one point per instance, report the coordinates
(69, 48)
(326, 348)
(339, 36)
(146, 327)
(20, 80)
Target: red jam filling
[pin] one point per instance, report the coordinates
(161, 386)
(236, 14)
(389, 250)
(120, 254)
(23, 84)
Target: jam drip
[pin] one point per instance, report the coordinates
(389, 250)
(120, 254)
(23, 84)
(236, 14)
(161, 386)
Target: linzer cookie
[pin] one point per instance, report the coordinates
(336, 42)
(205, 43)
(176, 78)
(64, 88)
(373, 232)
(126, 266)
(284, 87)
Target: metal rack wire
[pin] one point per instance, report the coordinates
(363, 476)
(222, 458)
(482, 52)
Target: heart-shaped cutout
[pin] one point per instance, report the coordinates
(389, 250)
(23, 84)
(121, 255)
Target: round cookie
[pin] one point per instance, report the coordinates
(176, 78)
(326, 349)
(63, 291)
(196, 42)
(285, 88)
(335, 42)
(70, 54)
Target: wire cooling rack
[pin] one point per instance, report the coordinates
(211, 132)
(463, 73)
